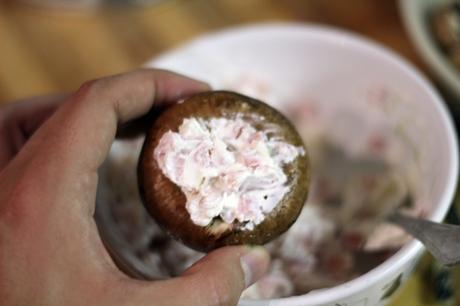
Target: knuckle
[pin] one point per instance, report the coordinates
(88, 85)
(85, 89)
(85, 94)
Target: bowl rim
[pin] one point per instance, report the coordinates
(415, 24)
(412, 249)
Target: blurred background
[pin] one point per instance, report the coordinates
(47, 50)
(55, 45)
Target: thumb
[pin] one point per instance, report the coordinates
(217, 279)
(221, 276)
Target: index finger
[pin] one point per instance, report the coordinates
(63, 156)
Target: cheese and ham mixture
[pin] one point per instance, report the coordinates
(226, 169)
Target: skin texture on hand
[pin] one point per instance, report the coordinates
(50, 249)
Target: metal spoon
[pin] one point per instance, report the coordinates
(441, 240)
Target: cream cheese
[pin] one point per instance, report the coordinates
(226, 168)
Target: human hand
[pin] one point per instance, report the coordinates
(50, 249)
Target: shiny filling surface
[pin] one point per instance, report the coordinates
(227, 169)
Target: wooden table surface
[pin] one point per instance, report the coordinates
(49, 50)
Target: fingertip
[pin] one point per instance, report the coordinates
(172, 86)
(254, 263)
(190, 87)
(220, 277)
(200, 85)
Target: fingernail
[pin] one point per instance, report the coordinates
(205, 85)
(254, 264)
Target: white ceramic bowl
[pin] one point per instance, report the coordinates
(415, 17)
(343, 74)
(331, 65)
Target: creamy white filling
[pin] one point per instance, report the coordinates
(226, 168)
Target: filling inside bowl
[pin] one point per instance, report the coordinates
(357, 180)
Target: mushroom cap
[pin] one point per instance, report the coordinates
(165, 201)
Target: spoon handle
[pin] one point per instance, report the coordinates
(441, 240)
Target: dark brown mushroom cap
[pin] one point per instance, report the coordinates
(165, 201)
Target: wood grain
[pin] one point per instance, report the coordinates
(46, 50)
